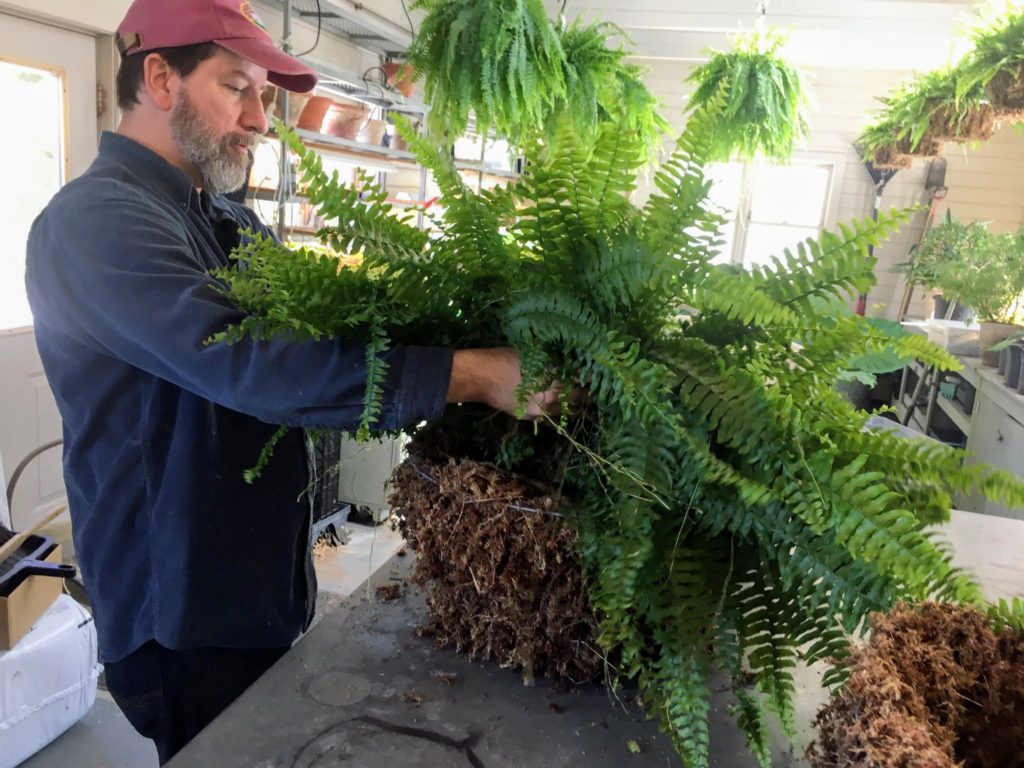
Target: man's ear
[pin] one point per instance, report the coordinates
(159, 81)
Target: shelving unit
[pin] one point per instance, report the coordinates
(991, 431)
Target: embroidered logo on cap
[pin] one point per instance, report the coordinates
(246, 10)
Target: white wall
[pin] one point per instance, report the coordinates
(89, 15)
(984, 183)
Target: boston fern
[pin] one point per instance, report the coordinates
(733, 511)
(506, 63)
(765, 111)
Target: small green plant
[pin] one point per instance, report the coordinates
(944, 250)
(988, 276)
(732, 510)
(765, 112)
(509, 66)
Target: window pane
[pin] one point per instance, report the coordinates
(35, 127)
(726, 184)
(767, 240)
(728, 237)
(793, 194)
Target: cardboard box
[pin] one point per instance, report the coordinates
(29, 600)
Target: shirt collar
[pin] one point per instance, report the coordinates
(173, 182)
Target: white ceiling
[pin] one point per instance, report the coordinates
(841, 34)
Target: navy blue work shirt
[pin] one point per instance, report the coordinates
(173, 545)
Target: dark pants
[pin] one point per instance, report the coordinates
(170, 696)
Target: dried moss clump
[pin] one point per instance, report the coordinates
(502, 576)
(935, 687)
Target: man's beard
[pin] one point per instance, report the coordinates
(222, 167)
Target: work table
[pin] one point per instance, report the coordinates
(362, 689)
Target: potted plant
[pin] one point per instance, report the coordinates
(728, 510)
(944, 248)
(996, 62)
(990, 280)
(765, 109)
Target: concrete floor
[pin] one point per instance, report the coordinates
(105, 739)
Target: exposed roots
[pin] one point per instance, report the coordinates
(934, 688)
(498, 563)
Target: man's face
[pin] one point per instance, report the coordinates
(217, 118)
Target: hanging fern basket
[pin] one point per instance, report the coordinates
(936, 686)
(978, 124)
(765, 112)
(1006, 90)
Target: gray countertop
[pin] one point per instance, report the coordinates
(363, 689)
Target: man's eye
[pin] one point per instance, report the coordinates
(233, 88)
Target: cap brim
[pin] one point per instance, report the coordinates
(283, 70)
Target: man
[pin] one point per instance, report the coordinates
(198, 581)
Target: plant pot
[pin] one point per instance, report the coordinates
(395, 140)
(992, 334)
(935, 686)
(400, 75)
(296, 104)
(1010, 360)
(314, 113)
(1006, 92)
(346, 120)
(372, 133)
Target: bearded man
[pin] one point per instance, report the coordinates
(198, 582)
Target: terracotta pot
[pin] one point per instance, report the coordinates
(346, 120)
(312, 117)
(296, 104)
(401, 76)
(372, 132)
(395, 140)
(992, 334)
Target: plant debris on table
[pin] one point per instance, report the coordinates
(936, 687)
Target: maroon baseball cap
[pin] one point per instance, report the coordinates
(231, 24)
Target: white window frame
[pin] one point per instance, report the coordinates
(829, 211)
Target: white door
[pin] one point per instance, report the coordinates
(48, 135)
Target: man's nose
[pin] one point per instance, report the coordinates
(254, 119)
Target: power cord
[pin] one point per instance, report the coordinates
(412, 29)
(319, 27)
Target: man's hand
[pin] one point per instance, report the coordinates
(492, 376)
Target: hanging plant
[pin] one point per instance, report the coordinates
(921, 115)
(730, 511)
(996, 62)
(505, 63)
(765, 100)
(881, 145)
(934, 108)
(601, 86)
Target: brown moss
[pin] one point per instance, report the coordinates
(499, 567)
(934, 688)
(1006, 91)
(977, 125)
